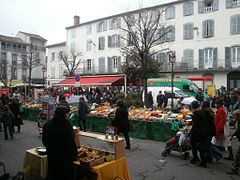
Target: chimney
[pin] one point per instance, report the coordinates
(76, 20)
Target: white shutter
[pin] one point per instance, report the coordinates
(204, 31)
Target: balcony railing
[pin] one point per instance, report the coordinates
(208, 9)
(236, 3)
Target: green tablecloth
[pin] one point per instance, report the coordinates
(152, 130)
(30, 114)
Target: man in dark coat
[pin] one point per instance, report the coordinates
(58, 137)
(198, 134)
(83, 109)
(15, 109)
(121, 121)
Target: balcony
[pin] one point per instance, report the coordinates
(208, 9)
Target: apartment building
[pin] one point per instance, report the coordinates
(13, 65)
(205, 40)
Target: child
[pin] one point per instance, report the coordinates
(7, 118)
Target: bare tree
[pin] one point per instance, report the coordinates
(71, 61)
(146, 34)
(29, 62)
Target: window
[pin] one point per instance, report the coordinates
(114, 41)
(235, 56)
(131, 20)
(208, 28)
(3, 56)
(170, 36)
(89, 45)
(37, 58)
(207, 6)
(24, 75)
(155, 15)
(170, 12)
(115, 62)
(101, 65)
(101, 43)
(235, 24)
(102, 26)
(115, 23)
(89, 64)
(24, 61)
(129, 39)
(53, 56)
(52, 72)
(187, 61)
(208, 58)
(14, 47)
(73, 33)
(73, 47)
(188, 9)
(232, 3)
(14, 60)
(14, 72)
(89, 29)
(188, 31)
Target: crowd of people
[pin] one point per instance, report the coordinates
(210, 132)
(10, 116)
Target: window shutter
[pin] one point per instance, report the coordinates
(105, 25)
(172, 37)
(173, 12)
(204, 31)
(109, 65)
(103, 43)
(97, 27)
(185, 31)
(185, 9)
(228, 63)
(190, 8)
(84, 66)
(101, 65)
(109, 41)
(211, 28)
(238, 24)
(118, 41)
(215, 58)
(232, 25)
(119, 23)
(119, 64)
(93, 66)
(110, 24)
(201, 60)
(99, 43)
(229, 3)
(200, 6)
(215, 5)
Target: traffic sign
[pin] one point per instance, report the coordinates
(77, 77)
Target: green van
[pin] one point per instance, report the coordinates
(185, 85)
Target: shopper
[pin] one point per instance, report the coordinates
(7, 119)
(198, 135)
(15, 109)
(149, 100)
(83, 109)
(211, 129)
(160, 99)
(236, 163)
(58, 137)
(121, 121)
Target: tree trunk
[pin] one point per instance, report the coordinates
(29, 81)
(145, 92)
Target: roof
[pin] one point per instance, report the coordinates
(129, 12)
(33, 35)
(11, 39)
(93, 81)
(57, 44)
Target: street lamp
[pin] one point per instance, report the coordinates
(172, 60)
(43, 71)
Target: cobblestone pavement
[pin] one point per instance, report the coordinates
(144, 159)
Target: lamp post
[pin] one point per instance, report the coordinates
(43, 71)
(172, 60)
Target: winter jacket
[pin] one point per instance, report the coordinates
(219, 121)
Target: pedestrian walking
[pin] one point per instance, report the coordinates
(83, 110)
(15, 109)
(7, 119)
(160, 99)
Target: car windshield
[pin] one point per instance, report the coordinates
(181, 93)
(194, 87)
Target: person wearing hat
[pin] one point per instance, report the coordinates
(198, 135)
(58, 138)
(236, 164)
(121, 121)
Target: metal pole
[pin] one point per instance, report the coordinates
(172, 88)
(43, 79)
(125, 85)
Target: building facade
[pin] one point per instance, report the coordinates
(15, 53)
(206, 41)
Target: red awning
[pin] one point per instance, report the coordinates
(93, 81)
(201, 78)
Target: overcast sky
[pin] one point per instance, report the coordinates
(49, 18)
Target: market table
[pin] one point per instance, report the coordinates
(35, 166)
(30, 114)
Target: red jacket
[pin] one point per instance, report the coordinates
(220, 120)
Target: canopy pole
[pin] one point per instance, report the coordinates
(125, 85)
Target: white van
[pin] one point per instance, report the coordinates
(178, 93)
